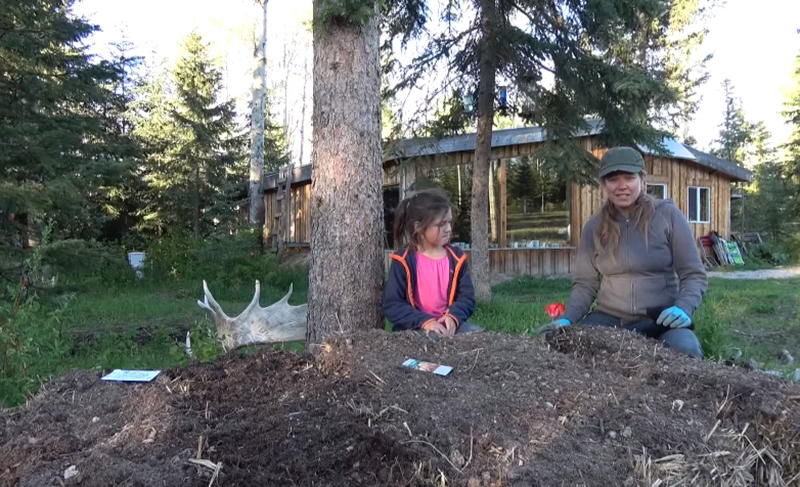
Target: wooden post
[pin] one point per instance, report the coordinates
(406, 178)
(502, 182)
(492, 204)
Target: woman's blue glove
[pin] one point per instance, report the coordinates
(554, 325)
(674, 317)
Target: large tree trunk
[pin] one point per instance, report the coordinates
(483, 149)
(257, 120)
(347, 265)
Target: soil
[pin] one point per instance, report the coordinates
(588, 407)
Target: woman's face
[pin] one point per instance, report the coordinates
(623, 188)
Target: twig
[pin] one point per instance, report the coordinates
(716, 425)
(200, 447)
(476, 360)
(437, 451)
(470, 449)
(216, 474)
(409, 429)
(376, 376)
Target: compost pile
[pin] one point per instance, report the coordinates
(593, 407)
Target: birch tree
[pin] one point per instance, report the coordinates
(257, 121)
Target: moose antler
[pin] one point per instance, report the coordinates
(280, 322)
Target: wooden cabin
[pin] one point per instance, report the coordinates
(535, 218)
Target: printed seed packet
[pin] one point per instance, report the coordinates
(437, 369)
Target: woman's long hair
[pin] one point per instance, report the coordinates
(606, 236)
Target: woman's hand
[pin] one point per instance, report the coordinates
(554, 325)
(674, 317)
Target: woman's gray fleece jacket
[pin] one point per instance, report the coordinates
(664, 272)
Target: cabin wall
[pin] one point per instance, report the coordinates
(678, 175)
(585, 201)
(299, 232)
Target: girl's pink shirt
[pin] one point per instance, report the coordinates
(433, 276)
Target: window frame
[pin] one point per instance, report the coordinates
(665, 186)
(699, 206)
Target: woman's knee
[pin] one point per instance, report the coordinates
(683, 340)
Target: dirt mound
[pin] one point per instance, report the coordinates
(590, 407)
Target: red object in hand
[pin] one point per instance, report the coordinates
(554, 310)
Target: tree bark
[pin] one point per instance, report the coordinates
(483, 149)
(257, 120)
(347, 263)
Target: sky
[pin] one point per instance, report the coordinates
(754, 44)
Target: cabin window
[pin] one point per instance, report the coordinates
(538, 205)
(699, 204)
(657, 191)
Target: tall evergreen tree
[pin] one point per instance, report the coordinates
(685, 71)
(564, 61)
(193, 144)
(736, 133)
(522, 182)
(792, 115)
(58, 150)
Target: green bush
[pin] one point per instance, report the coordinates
(31, 338)
(771, 253)
(229, 263)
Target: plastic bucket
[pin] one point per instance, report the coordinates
(136, 260)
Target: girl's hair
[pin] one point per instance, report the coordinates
(606, 236)
(416, 213)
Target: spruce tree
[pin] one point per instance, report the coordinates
(563, 62)
(193, 144)
(60, 153)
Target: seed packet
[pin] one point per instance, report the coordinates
(437, 369)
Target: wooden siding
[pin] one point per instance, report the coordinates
(585, 201)
(531, 262)
(300, 217)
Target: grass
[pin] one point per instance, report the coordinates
(536, 225)
(142, 324)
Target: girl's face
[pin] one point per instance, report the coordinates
(437, 234)
(623, 188)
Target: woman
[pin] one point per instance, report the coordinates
(652, 276)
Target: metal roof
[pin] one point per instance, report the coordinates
(408, 148)
(734, 170)
(500, 138)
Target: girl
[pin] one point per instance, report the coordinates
(429, 287)
(653, 279)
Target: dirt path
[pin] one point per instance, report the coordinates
(785, 273)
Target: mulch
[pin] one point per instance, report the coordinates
(587, 407)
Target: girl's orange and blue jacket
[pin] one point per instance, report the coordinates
(399, 300)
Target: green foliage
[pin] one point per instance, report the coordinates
(204, 344)
(736, 134)
(29, 332)
(771, 253)
(353, 12)
(713, 333)
(193, 148)
(601, 65)
(62, 150)
(226, 262)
